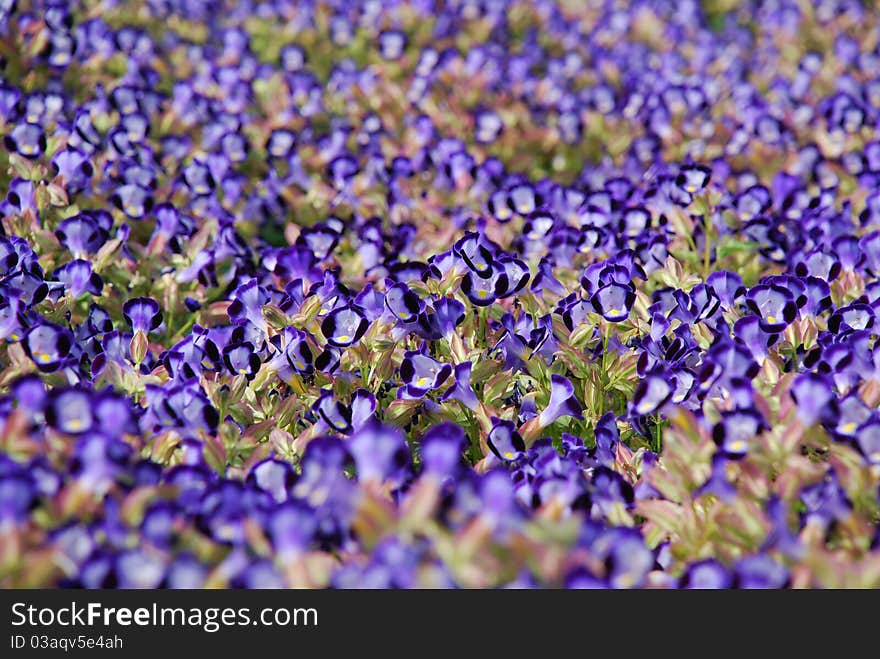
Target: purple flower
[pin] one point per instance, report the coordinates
(814, 395)
(868, 442)
(724, 361)
(74, 168)
(274, 477)
(142, 314)
(461, 389)
(483, 291)
(363, 408)
(26, 139)
(291, 527)
(773, 304)
(344, 326)
(30, 394)
(292, 57)
(544, 279)
(515, 277)
(185, 572)
(693, 178)
(403, 303)
(138, 569)
(334, 413)
(392, 44)
(442, 448)
(292, 353)
(97, 461)
(113, 413)
(582, 579)
(241, 359)
(246, 309)
(82, 234)
(818, 294)
(499, 207)
(652, 393)
(607, 437)
(48, 345)
(825, 503)
(504, 440)
(781, 536)
(728, 287)
(21, 196)
(735, 429)
(855, 316)
(476, 254)
(133, 200)
(523, 199)
(10, 325)
(760, 571)
(448, 313)
(707, 574)
(157, 525)
(422, 373)
(750, 330)
(614, 301)
(381, 453)
(9, 95)
(197, 177)
(78, 278)
(17, 497)
(608, 490)
(328, 360)
(70, 411)
(487, 126)
(626, 557)
(178, 405)
(280, 143)
(562, 402)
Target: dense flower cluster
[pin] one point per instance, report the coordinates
(408, 293)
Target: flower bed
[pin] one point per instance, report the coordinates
(507, 293)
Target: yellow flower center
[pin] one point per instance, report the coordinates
(644, 407)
